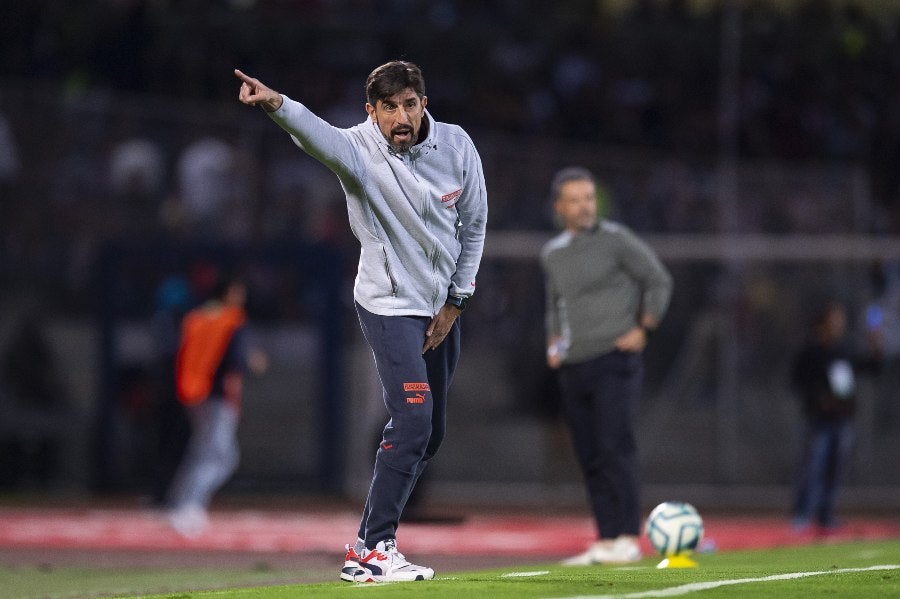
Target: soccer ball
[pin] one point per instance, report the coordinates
(674, 528)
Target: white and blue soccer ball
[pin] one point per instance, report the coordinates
(674, 528)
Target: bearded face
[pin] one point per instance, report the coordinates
(399, 118)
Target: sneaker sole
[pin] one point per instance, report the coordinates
(368, 579)
(366, 576)
(350, 571)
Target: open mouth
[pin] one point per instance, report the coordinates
(401, 134)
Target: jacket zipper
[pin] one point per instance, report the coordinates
(390, 273)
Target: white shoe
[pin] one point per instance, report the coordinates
(386, 564)
(621, 550)
(351, 567)
(189, 520)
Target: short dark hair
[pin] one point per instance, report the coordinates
(570, 173)
(392, 78)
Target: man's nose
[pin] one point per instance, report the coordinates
(403, 117)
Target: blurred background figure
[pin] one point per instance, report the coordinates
(212, 358)
(606, 290)
(10, 165)
(824, 377)
(213, 200)
(34, 407)
(138, 184)
(173, 299)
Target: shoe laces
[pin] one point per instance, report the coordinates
(390, 552)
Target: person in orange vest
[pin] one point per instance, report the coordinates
(212, 359)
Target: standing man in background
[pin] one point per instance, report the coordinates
(417, 204)
(606, 291)
(824, 376)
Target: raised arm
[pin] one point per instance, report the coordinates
(254, 93)
(329, 145)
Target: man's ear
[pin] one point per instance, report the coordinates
(371, 110)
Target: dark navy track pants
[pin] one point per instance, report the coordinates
(600, 399)
(415, 389)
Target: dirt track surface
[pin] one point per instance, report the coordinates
(309, 539)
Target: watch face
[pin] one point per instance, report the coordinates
(459, 302)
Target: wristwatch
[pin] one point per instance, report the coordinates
(458, 301)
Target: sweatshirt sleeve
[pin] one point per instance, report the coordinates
(330, 145)
(472, 208)
(655, 280)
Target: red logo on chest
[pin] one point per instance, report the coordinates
(450, 199)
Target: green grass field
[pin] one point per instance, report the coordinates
(864, 569)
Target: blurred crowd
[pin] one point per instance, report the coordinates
(118, 119)
(120, 133)
(816, 77)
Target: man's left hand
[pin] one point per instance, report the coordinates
(634, 340)
(439, 327)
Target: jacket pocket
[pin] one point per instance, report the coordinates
(390, 272)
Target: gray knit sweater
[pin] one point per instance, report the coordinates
(598, 283)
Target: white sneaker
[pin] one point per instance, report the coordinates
(189, 520)
(386, 564)
(351, 567)
(621, 550)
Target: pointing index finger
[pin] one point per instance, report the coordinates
(240, 75)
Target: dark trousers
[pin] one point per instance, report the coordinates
(600, 399)
(826, 452)
(415, 389)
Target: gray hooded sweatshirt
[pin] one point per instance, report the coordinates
(420, 216)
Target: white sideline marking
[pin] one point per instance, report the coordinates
(702, 586)
(539, 573)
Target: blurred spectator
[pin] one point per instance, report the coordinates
(205, 187)
(33, 406)
(824, 376)
(173, 300)
(213, 356)
(10, 173)
(10, 162)
(137, 168)
(137, 181)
